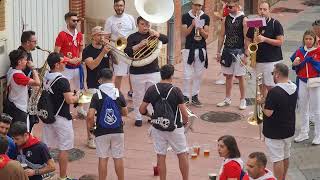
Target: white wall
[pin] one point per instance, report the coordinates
(45, 17)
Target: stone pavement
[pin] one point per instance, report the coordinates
(140, 157)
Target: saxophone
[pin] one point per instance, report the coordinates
(36, 93)
(253, 48)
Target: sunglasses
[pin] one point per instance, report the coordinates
(230, 7)
(316, 23)
(273, 72)
(75, 20)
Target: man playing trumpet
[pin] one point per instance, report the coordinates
(95, 58)
(195, 27)
(145, 76)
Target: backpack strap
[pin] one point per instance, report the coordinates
(99, 94)
(49, 88)
(167, 94)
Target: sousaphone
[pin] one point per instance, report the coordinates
(153, 12)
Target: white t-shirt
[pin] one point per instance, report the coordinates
(120, 26)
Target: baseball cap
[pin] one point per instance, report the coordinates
(97, 30)
(200, 2)
(54, 58)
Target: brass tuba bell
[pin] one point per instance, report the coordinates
(253, 48)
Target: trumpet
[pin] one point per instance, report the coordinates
(197, 35)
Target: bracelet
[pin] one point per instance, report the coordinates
(37, 172)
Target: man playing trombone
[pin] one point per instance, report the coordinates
(145, 76)
(95, 58)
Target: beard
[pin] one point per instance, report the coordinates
(119, 12)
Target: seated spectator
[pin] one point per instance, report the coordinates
(256, 167)
(5, 121)
(33, 153)
(9, 169)
(232, 166)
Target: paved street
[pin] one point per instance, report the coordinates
(140, 157)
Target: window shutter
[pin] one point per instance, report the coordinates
(2, 15)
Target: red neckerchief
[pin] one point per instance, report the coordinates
(4, 160)
(30, 142)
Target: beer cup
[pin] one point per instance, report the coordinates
(194, 155)
(206, 150)
(212, 176)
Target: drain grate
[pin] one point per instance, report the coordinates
(74, 154)
(221, 116)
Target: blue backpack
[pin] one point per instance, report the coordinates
(110, 115)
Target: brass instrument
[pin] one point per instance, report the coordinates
(119, 43)
(147, 49)
(253, 48)
(257, 117)
(36, 93)
(153, 12)
(191, 118)
(197, 35)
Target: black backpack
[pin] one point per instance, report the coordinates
(45, 105)
(163, 117)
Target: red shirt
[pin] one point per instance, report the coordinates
(69, 48)
(312, 72)
(21, 79)
(232, 169)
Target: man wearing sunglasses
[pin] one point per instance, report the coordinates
(232, 58)
(28, 44)
(270, 40)
(316, 29)
(70, 44)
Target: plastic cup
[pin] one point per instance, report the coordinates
(206, 150)
(212, 176)
(194, 155)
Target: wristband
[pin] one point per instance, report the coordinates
(37, 172)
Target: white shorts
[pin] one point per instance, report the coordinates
(279, 149)
(73, 76)
(236, 69)
(59, 134)
(110, 145)
(122, 69)
(266, 69)
(162, 139)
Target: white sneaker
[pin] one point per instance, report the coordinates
(243, 104)
(316, 140)
(220, 82)
(91, 143)
(225, 102)
(301, 137)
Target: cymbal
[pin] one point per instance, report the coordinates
(85, 98)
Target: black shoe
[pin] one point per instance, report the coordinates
(196, 102)
(130, 94)
(186, 100)
(138, 123)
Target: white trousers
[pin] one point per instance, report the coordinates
(309, 107)
(192, 74)
(140, 84)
